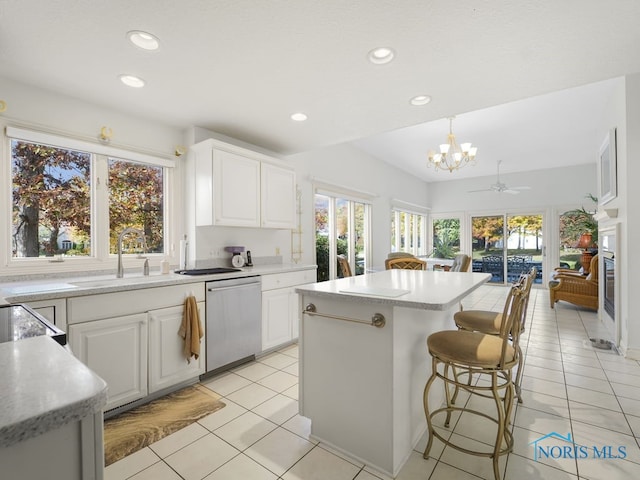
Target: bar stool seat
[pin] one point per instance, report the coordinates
(469, 348)
(483, 321)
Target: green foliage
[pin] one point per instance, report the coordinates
(574, 223)
(443, 246)
(322, 255)
(446, 238)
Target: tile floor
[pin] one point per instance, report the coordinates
(569, 387)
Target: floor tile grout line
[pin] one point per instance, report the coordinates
(619, 403)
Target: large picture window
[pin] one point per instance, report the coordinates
(59, 198)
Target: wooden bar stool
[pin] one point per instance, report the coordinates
(489, 322)
(478, 354)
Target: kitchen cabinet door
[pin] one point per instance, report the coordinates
(167, 364)
(116, 349)
(236, 190)
(276, 317)
(278, 192)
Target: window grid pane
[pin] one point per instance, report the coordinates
(51, 200)
(136, 200)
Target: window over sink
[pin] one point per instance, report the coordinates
(60, 204)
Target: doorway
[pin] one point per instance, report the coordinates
(507, 245)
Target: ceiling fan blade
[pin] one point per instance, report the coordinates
(520, 188)
(483, 190)
(511, 191)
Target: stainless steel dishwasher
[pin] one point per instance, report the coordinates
(233, 322)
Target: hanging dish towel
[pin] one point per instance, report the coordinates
(191, 329)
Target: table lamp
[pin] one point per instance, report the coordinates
(585, 242)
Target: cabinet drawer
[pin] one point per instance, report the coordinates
(108, 305)
(289, 279)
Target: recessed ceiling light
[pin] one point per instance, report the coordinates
(143, 39)
(381, 55)
(299, 117)
(132, 81)
(419, 100)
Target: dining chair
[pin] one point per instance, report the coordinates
(345, 268)
(407, 263)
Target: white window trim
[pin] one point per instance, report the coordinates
(333, 193)
(85, 146)
(412, 237)
(101, 258)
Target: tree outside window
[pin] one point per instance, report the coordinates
(50, 200)
(136, 200)
(53, 199)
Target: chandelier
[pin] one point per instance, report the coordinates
(451, 155)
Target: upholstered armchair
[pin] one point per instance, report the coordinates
(572, 287)
(461, 263)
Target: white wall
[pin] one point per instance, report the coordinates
(66, 115)
(566, 186)
(346, 166)
(627, 114)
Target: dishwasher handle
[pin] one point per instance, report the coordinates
(222, 289)
(227, 283)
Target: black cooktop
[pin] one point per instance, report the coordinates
(208, 271)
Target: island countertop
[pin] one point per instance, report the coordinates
(429, 290)
(43, 388)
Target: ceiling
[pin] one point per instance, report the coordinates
(242, 67)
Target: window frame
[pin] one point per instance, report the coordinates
(417, 241)
(100, 257)
(333, 193)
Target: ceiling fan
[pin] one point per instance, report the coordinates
(500, 187)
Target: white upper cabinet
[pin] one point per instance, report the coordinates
(240, 188)
(236, 190)
(278, 202)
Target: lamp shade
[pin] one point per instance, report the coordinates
(585, 240)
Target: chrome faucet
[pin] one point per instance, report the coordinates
(140, 234)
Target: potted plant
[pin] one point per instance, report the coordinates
(580, 226)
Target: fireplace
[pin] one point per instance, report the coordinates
(609, 285)
(608, 288)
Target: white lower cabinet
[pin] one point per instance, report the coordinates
(131, 339)
(280, 309)
(167, 364)
(278, 317)
(116, 349)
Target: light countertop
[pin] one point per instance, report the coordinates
(52, 288)
(44, 387)
(404, 288)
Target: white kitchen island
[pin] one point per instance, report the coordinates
(360, 384)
